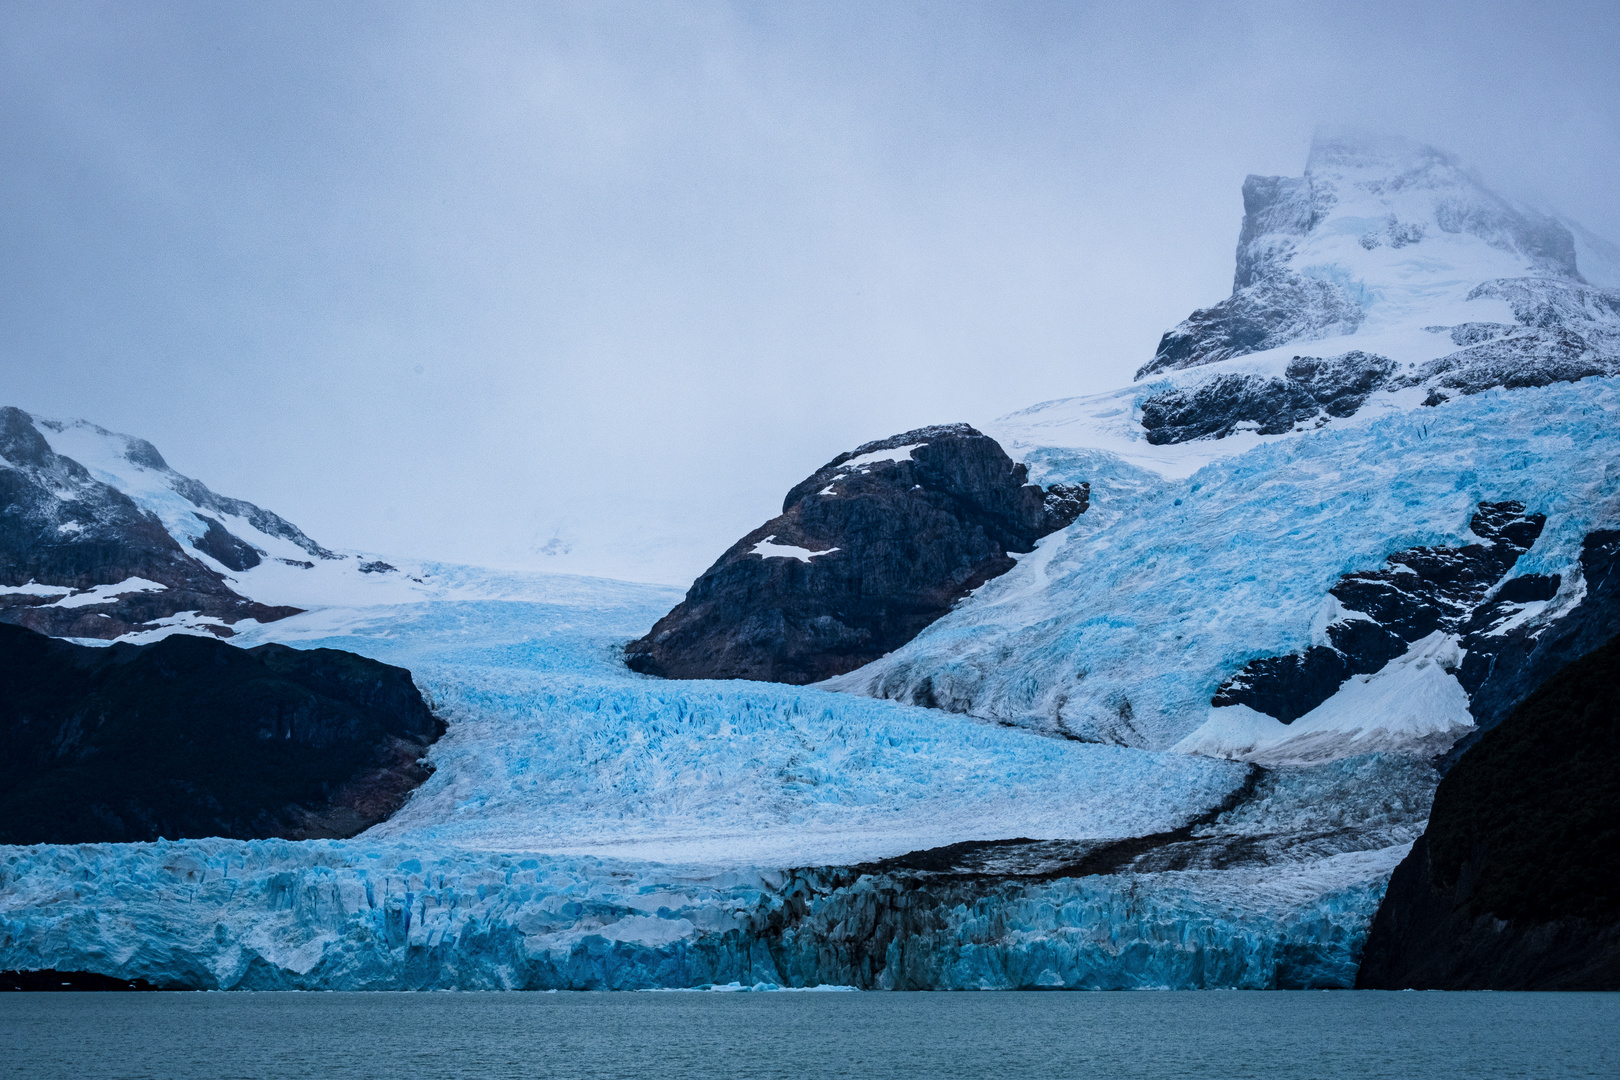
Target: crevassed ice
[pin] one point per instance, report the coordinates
(359, 915)
(588, 827)
(1125, 624)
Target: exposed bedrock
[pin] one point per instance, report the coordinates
(1417, 592)
(1513, 648)
(1271, 312)
(1561, 339)
(191, 737)
(867, 551)
(1516, 884)
(1312, 391)
(62, 528)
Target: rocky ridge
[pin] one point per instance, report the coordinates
(81, 557)
(1418, 592)
(868, 550)
(1515, 885)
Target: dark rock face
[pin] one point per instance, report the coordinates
(1276, 208)
(218, 543)
(1421, 590)
(191, 737)
(1315, 391)
(1267, 314)
(61, 527)
(1515, 361)
(871, 548)
(1516, 884)
(1505, 663)
(1312, 389)
(47, 980)
(1472, 333)
(1566, 331)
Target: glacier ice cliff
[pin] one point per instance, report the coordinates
(270, 915)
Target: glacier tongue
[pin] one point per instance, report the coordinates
(526, 861)
(275, 915)
(553, 746)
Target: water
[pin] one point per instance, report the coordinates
(1298, 1036)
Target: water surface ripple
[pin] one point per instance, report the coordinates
(1300, 1036)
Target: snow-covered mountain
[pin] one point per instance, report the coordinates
(101, 540)
(1343, 520)
(1267, 525)
(1384, 241)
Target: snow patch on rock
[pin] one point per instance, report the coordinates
(766, 549)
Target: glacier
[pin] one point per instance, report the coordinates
(587, 827)
(277, 915)
(1036, 790)
(1191, 572)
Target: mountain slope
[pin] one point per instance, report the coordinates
(867, 551)
(1516, 883)
(1239, 488)
(99, 538)
(1377, 238)
(1305, 571)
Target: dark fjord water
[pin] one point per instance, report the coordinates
(1297, 1036)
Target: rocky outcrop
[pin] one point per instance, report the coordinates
(867, 551)
(1272, 312)
(1417, 592)
(79, 557)
(1311, 392)
(1519, 640)
(192, 737)
(1516, 883)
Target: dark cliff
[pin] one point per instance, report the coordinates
(867, 551)
(191, 737)
(1516, 884)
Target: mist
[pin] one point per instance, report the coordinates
(588, 287)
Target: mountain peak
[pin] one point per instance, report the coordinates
(1350, 150)
(1378, 233)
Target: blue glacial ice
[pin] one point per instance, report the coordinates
(527, 860)
(354, 915)
(1120, 628)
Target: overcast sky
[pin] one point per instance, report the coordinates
(457, 280)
